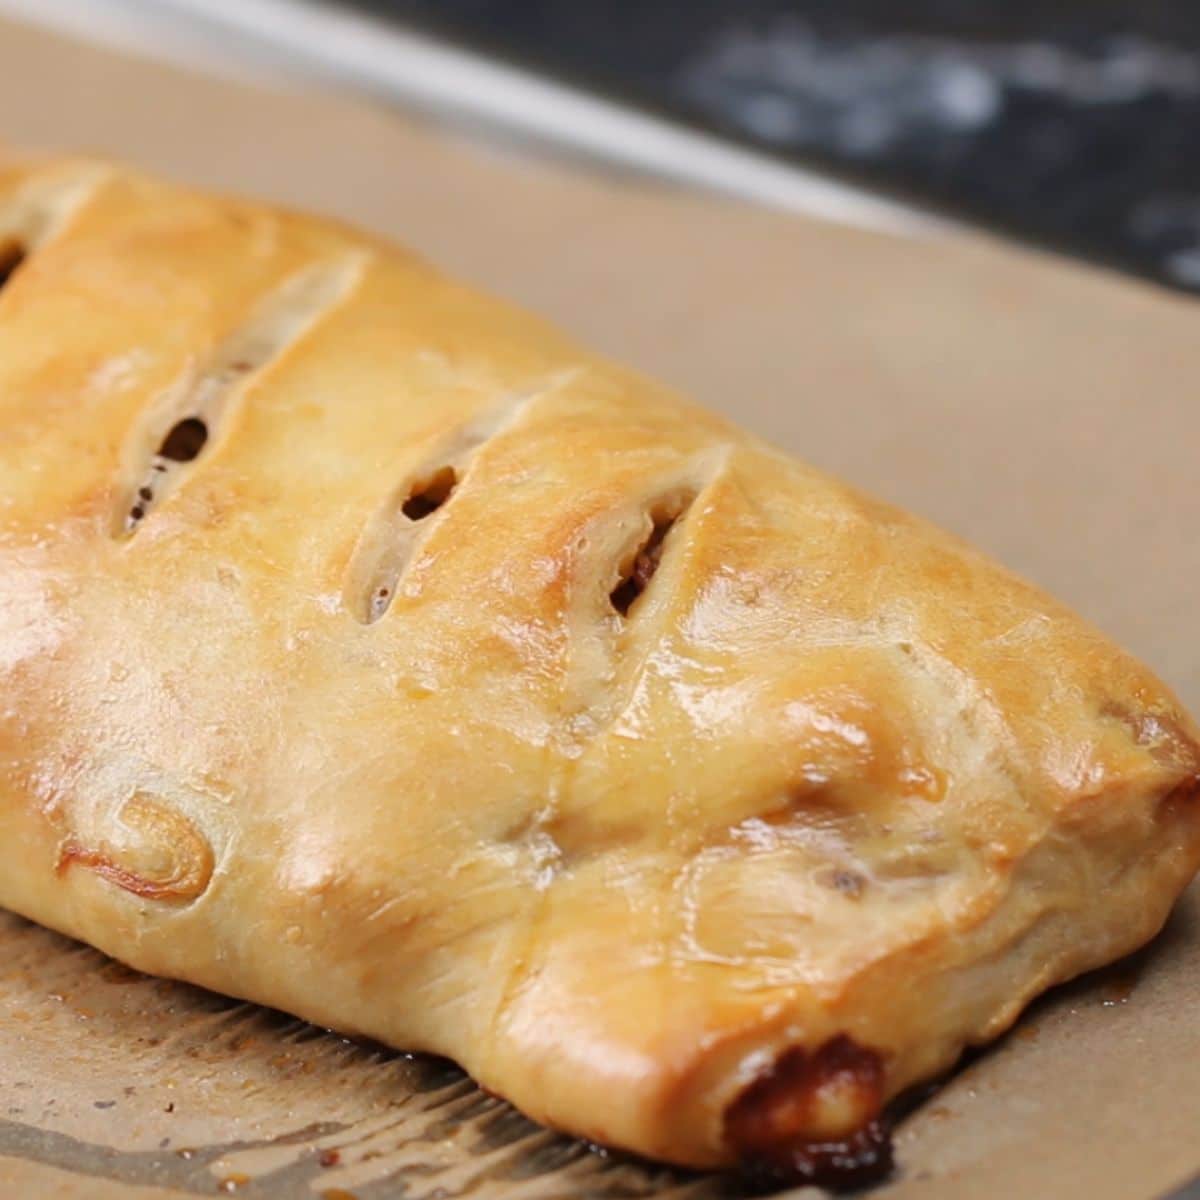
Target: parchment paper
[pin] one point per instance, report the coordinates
(1045, 411)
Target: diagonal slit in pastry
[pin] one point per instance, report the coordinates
(44, 207)
(175, 431)
(622, 555)
(41, 210)
(641, 568)
(623, 550)
(391, 536)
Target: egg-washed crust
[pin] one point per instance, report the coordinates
(369, 650)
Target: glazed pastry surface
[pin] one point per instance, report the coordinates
(369, 650)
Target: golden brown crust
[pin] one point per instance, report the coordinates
(371, 651)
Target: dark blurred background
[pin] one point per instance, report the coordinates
(1071, 123)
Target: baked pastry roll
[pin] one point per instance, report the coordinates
(369, 650)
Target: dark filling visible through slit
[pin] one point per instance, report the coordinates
(11, 257)
(428, 496)
(183, 443)
(644, 565)
(185, 440)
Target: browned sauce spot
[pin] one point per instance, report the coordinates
(642, 570)
(430, 494)
(814, 1119)
(185, 440)
(11, 257)
(330, 1158)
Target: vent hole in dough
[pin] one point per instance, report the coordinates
(196, 407)
(185, 440)
(636, 578)
(11, 258)
(430, 494)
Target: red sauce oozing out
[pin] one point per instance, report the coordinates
(771, 1124)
